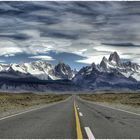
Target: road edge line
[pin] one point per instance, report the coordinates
(33, 109)
(78, 126)
(113, 108)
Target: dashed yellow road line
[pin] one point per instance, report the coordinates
(78, 126)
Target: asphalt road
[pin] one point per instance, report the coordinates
(107, 123)
(71, 119)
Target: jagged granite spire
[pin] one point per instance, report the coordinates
(103, 63)
(64, 71)
(114, 57)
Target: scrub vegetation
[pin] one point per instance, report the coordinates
(15, 101)
(132, 99)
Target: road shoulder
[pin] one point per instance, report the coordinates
(118, 106)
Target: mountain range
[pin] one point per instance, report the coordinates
(39, 69)
(111, 74)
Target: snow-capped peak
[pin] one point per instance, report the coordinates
(114, 58)
(63, 70)
(40, 69)
(120, 71)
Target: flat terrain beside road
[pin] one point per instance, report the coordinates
(123, 98)
(126, 101)
(13, 102)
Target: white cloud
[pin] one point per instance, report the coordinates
(45, 44)
(42, 57)
(33, 33)
(90, 60)
(7, 55)
(2, 61)
(136, 60)
(80, 52)
(9, 47)
(119, 49)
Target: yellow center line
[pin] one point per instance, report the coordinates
(78, 126)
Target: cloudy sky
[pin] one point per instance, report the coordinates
(77, 33)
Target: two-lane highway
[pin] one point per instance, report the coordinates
(70, 119)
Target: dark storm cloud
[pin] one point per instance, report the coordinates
(102, 15)
(121, 44)
(85, 28)
(16, 36)
(48, 20)
(60, 34)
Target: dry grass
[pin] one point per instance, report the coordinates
(12, 101)
(132, 99)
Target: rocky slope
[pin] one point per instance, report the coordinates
(39, 69)
(111, 73)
